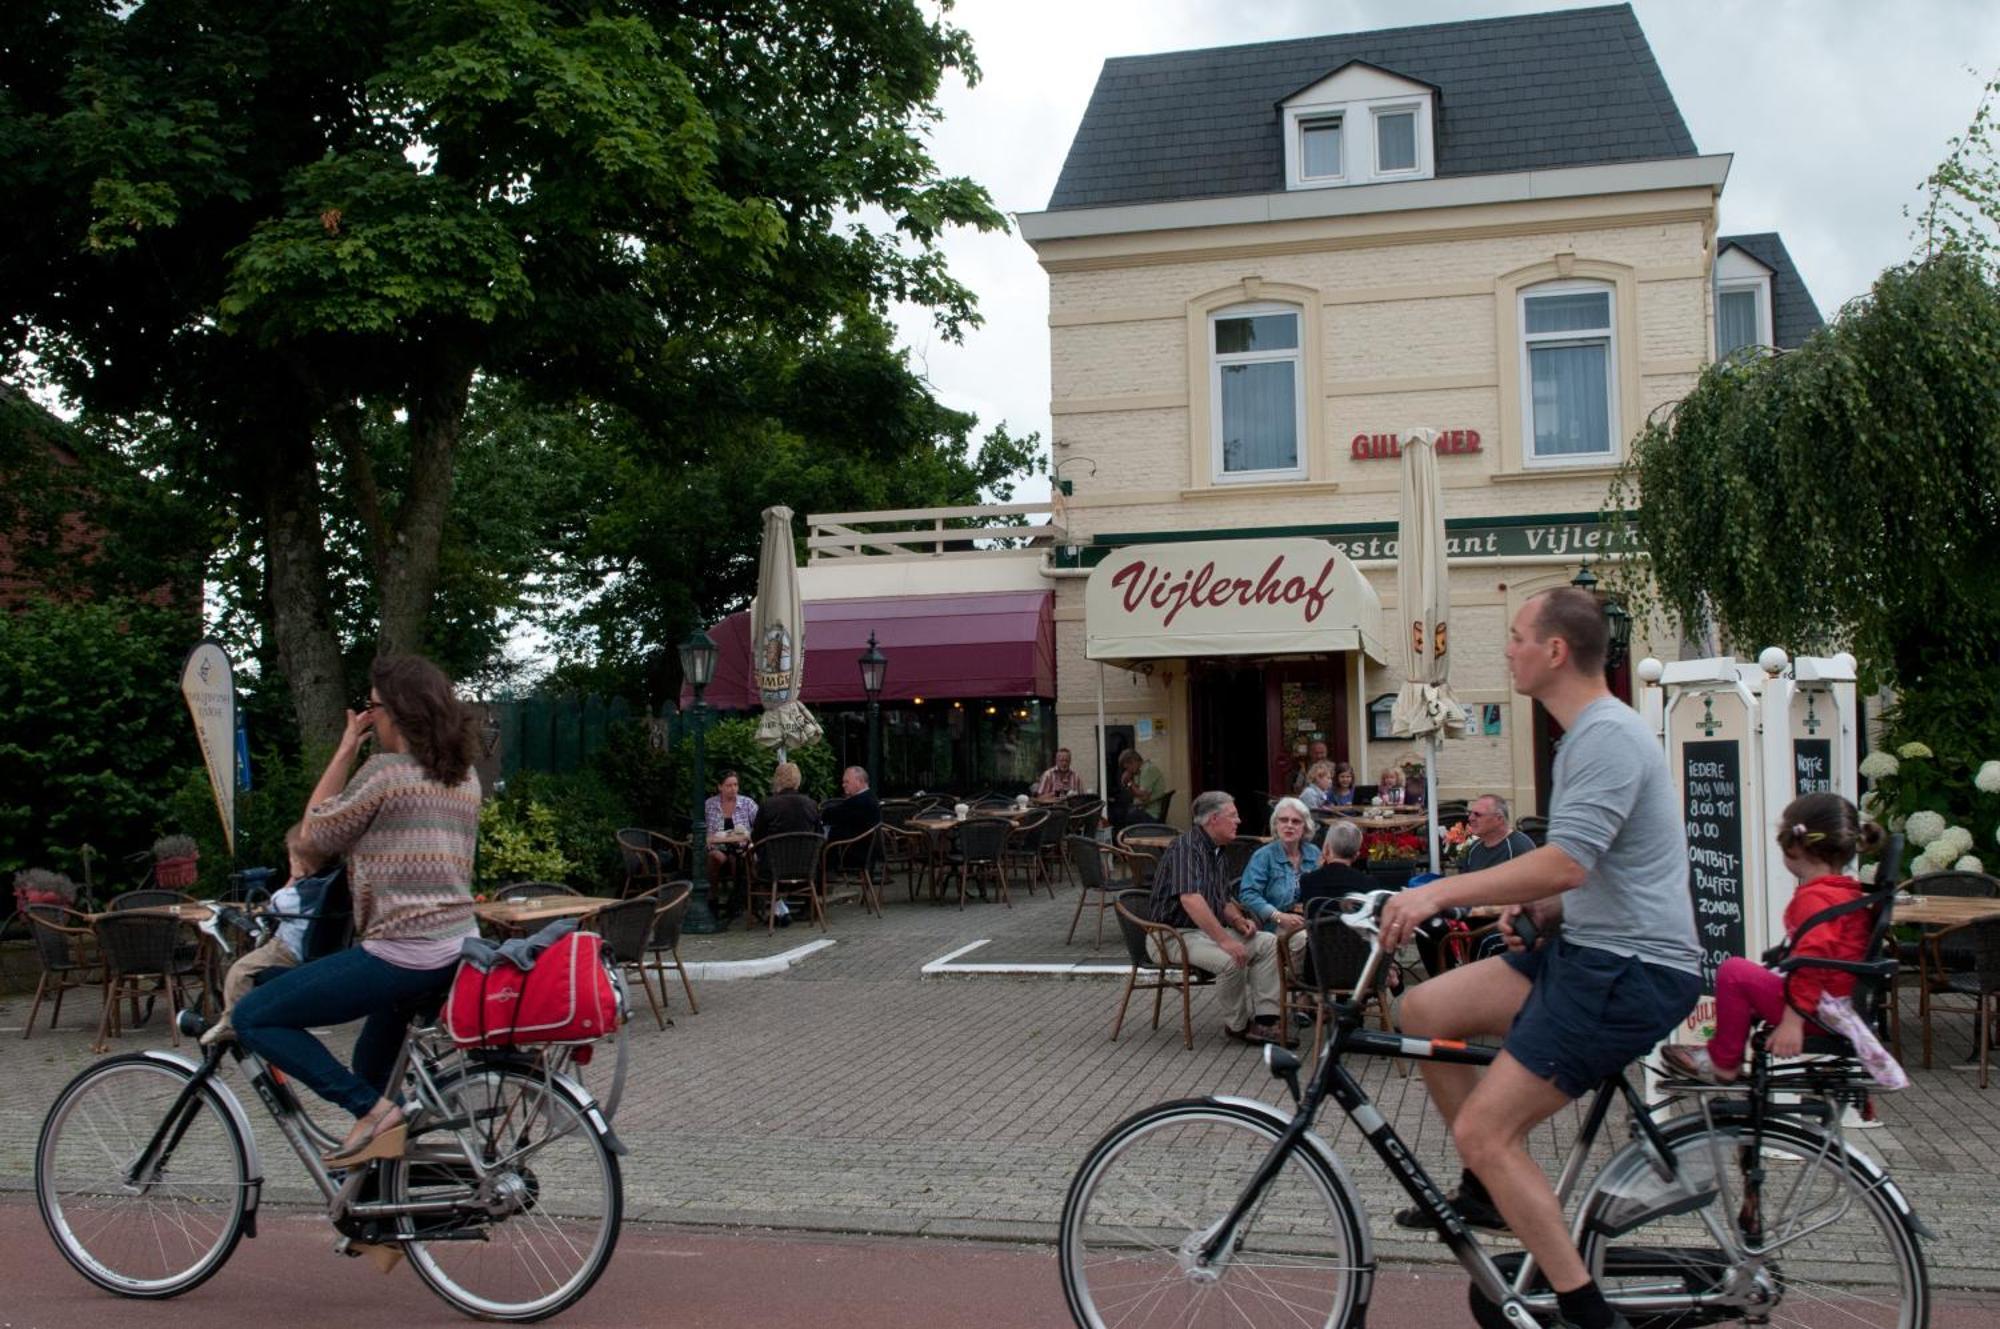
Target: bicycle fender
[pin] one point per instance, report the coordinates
(253, 1185)
(1281, 1121)
(586, 1104)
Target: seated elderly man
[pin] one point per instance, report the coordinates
(856, 812)
(1191, 893)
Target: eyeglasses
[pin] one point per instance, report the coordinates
(366, 705)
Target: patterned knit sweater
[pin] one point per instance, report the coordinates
(409, 844)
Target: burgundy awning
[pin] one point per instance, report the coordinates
(991, 644)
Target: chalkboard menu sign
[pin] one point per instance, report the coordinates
(1712, 776)
(1812, 765)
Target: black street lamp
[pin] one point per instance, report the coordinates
(1616, 618)
(874, 668)
(698, 668)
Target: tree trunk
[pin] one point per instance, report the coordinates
(407, 570)
(286, 495)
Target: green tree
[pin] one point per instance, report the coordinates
(281, 226)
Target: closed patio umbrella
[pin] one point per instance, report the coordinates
(778, 639)
(1425, 707)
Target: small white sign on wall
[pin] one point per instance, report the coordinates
(1144, 729)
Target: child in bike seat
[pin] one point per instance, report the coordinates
(293, 904)
(1819, 835)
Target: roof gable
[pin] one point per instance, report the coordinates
(1574, 88)
(1794, 315)
(1335, 85)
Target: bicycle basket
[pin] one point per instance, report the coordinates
(565, 996)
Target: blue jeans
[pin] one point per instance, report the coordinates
(272, 1021)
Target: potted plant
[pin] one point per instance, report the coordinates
(41, 886)
(174, 858)
(1393, 856)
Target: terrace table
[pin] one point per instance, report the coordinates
(521, 915)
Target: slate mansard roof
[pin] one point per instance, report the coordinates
(1794, 316)
(1575, 88)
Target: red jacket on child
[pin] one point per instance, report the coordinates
(1842, 938)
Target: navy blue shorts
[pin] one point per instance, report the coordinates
(1592, 1013)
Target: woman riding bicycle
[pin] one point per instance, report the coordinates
(407, 823)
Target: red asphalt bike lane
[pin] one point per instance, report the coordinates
(684, 1279)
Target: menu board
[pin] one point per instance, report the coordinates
(1812, 765)
(1714, 807)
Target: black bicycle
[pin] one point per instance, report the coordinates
(1736, 1206)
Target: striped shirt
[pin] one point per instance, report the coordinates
(1192, 865)
(409, 843)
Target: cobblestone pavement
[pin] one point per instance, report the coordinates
(852, 1094)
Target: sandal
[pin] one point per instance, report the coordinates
(1693, 1063)
(384, 1139)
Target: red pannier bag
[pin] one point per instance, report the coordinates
(568, 997)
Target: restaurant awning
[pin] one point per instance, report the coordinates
(1176, 600)
(992, 644)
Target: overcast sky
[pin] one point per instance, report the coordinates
(1835, 111)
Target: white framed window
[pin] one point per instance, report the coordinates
(1396, 140)
(1569, 374)
(1742, 315)
(1257, 393)
(1320, 148)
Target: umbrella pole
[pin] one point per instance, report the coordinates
(1103, 776)
(1431, 798)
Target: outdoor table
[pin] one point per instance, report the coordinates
(519, 915)
(1159, 842)
(1368, 820)
(1944, 910)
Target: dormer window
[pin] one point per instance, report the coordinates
(1319, 148)
(1357, 126)
(1742, 303)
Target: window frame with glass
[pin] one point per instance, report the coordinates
(1602, 335)
(1414, 111)
(1759, 291)
(1220, 362)
(1306, 124)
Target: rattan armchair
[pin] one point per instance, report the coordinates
(67, 950)
(788, 866)
(1160, 964)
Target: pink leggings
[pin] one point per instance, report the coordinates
(1743, 989)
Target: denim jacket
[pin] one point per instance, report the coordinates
(1269, 881)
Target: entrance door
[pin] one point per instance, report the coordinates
(1229, 736)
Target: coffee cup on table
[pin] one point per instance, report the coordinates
(960, 811)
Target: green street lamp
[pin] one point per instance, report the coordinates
(874, 668)
(698, 668)
(1615, 615)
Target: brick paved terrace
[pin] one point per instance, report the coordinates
(853, 1093)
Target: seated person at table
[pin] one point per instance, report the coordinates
(1336, 874)
(1059, 781)
(294, 904)
(1143, 785)
(1269, 890)
(1819, 834)
(726, 810)
(1343, 791)
(786, 811)
(1191, 894)
(856, 812)
(1318, 792)
(1392, 790)
(1302, 771)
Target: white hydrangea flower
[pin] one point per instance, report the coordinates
(1955, 841)
(1913, 749)
(1924, 827)
(1987, 781)
(1867, 874)
(1878, 764)
(1969, 864)
(1923, 866)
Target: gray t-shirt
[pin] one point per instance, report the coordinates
(1615, 813)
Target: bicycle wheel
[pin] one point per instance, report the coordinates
(155, 1235)
(1835, 1250)
(1154, 1189)
(549, 1206)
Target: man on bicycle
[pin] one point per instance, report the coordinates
(1581, 1006)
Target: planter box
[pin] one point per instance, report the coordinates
(1394, 876)
(175, 873)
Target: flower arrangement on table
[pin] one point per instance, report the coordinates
(1452, 840)
(1391, 847)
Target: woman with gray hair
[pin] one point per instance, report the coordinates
(1269, 890)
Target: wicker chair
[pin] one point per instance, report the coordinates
(980, 856)
(1981, 983)
(787, 865)
(627, 929)
(1023, 852)
(533, 890)
(1535, 828)
(1332, 960)
(649, 858)
(1236, 856)
(1087, 855)
(908, 848)
(143, 957)
(1948, 953)
(1049, 847)
(1145, 828)
(1159, 964)
(66, 948)
(152, 897)
(664, 946)
(854, 863)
